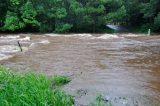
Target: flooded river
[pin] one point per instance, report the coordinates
(124, 68)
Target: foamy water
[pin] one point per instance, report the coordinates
(27, 38)
(9, 49)
(87, 36)
(107, 36)
(69, 35)
(5, 57)
(9, 37)
(9, 45)
(44, 42)
(132, 35)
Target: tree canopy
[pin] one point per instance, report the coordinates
(78, 15)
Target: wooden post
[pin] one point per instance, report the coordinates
(149, 32)
(20, 46)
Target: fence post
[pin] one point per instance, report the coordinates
(20, 46)
(149, 32)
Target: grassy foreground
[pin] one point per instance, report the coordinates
(32, 90)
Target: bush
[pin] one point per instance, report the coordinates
(30, 90)
(12, 22)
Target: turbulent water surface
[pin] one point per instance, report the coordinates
(124, 68)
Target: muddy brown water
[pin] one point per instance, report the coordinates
(116, 67)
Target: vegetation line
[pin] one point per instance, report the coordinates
(78, 15)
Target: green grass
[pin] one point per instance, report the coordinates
(100, 102)
(61, 80)
(30, 89)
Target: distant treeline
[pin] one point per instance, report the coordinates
(78, 15)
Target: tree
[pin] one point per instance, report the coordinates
(157, 22)
(77, 15)
(151, 14)
(28, 15)
(115, 11)
(134, 16)
(3, 11)
(12, 22)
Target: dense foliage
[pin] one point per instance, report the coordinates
(31, 90)
(78, 15)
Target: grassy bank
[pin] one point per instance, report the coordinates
(32, 90)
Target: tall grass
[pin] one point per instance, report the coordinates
(60, 80)
(30, 90)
